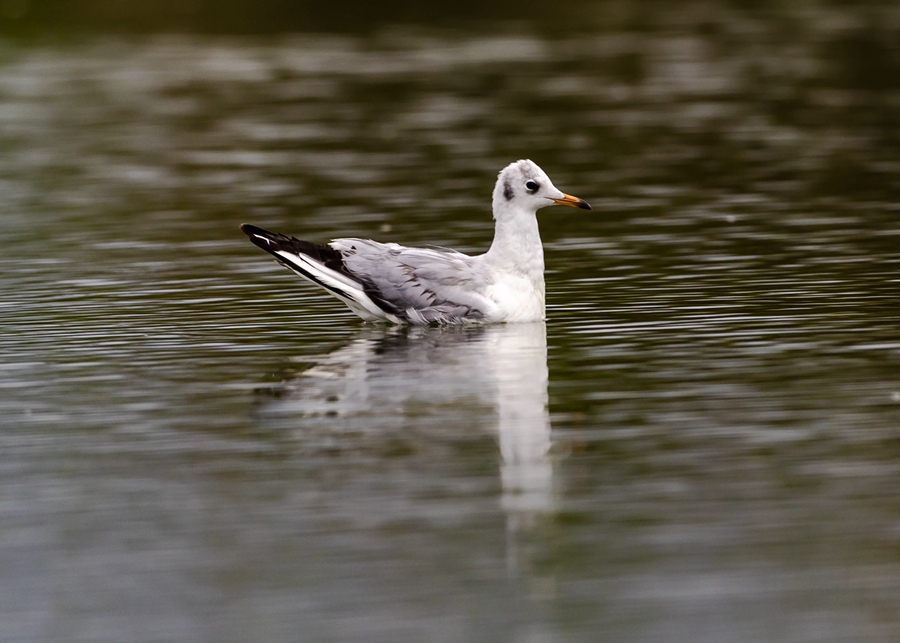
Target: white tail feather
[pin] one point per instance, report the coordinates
(341, 286)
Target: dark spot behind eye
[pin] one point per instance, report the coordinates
(507, 191)
(532, 186)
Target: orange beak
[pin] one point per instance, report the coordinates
(573, 202)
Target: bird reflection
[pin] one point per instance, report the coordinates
(488, 378)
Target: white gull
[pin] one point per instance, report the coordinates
(390, 282)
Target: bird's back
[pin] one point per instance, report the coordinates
(419, 285)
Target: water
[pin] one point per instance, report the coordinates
(701, 443)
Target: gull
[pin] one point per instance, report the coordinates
(402, 285)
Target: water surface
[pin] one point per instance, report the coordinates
(701, 443)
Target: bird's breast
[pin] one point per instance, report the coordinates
(518, 298)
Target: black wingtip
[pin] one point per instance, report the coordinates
(275, 243)
(268, 241)
(251, 230)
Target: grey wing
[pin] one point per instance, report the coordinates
(421, 285)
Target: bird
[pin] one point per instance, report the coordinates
(392, 283)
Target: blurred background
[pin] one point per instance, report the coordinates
(702, 443)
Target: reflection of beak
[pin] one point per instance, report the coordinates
(572, 202)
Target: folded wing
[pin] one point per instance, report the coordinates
(420, 285)
(387, 281)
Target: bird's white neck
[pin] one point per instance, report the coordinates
(517, 244)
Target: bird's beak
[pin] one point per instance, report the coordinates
(572, 202)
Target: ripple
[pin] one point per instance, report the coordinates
(721, 338)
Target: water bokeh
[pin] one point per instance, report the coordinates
(702, 443)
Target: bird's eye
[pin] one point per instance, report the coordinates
(532, 186)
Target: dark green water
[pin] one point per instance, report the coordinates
(701, 444)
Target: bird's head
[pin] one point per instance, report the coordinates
(524, 187)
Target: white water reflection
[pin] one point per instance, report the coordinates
(517, 356)
(493, 377)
